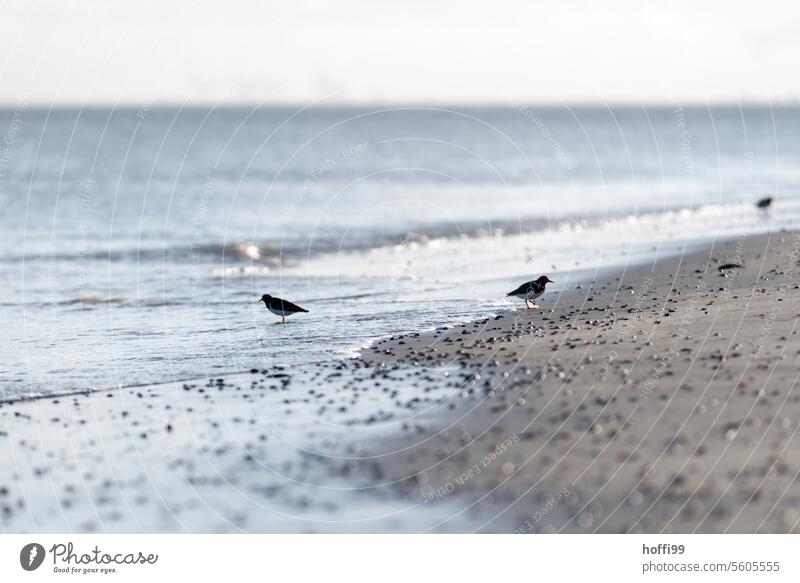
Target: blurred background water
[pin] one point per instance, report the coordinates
(135, 242)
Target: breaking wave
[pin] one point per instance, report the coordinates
(255, 258)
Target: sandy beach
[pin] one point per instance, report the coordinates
(659, 398)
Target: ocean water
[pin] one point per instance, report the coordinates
(135, 243)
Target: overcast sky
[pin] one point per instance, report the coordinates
(411, 51)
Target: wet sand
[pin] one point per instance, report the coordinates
(657, 399)
(662, 399)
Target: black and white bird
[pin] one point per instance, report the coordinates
(281, 307)
(531, 290)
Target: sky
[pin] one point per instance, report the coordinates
(107, 52)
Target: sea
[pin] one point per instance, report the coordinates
(137, 241)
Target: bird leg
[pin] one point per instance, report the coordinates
(283, 317)
(527, 304)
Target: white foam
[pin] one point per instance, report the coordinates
(563, 246)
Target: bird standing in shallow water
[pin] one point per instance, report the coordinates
(531, 290)
(281, 307)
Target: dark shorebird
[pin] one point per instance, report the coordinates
(281, 307)
(531, 290)
(765, 202)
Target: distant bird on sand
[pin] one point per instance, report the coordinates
(531, 290)
(280, 307)
(764, 202)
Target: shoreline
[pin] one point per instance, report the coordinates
(674, 494)
(653, 399)
(344, 355)
(487, 294)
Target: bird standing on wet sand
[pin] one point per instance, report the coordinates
(280, 307)
(531, 290)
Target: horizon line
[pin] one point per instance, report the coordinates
(510, 104)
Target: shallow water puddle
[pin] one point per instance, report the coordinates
(273, 450)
